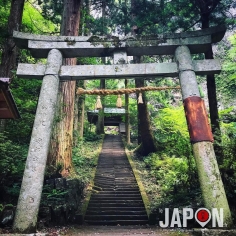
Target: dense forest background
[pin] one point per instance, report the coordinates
(170, 173)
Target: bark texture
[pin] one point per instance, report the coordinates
(206, 8)
(9, 52)
(127, 117)
(100, 122)
(147, 139)
(145, 134)
(79, 111)
(60, 155)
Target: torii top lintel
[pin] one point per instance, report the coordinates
(101, 46)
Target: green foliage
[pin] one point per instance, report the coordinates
(169, 181)
(26, 94)
(34, 22)
(52, 10)
(172, 177)
(227, 79)
(12, 158)
(84, 158)
(152, 17)
(228, 167)
(51, 194)
(171, 173)
(91, 136)
(14, 190)
(12, 163)
(171, 131)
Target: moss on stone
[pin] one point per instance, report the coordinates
(210, 181)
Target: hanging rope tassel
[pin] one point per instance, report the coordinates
(98, 104)
(140, 98)
(119, 101)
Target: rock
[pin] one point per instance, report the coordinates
(64, 202)
(60, 183)
(7, 215)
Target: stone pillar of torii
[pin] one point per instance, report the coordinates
(54, 48)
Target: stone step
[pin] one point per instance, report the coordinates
(114, 197)
(119, 184)
(118, 193)
(121, 189)
(126, 208)
(114, 184)
(115, 176)
(119, 201)
(115, 212)
(116, 217)
(116, 204)
(104, 195)
(117, 180)
(117, 222)
(115, 187)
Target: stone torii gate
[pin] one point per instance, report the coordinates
(54, 48)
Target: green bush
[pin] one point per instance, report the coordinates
(91, 136)
(85, 158)
(171, 173)
(171, 132)
(12, 164)
(12, 158)
(228, 167)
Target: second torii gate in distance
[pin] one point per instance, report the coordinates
(182, 45)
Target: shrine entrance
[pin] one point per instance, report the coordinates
(181, 45)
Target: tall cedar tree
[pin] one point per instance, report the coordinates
(100, 122)
(145, 135)
(60, 155)
(206, 8)
(80, 99)
(9, 52)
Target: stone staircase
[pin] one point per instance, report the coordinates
(119, 201)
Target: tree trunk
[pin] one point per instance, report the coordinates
(211, 91)
(148, 143)
(127, 118)
(9, 52)
(145, 135)
(137, 60)
(79, 111)
(100, 122)
(80, 99)
(86, 27)
(60, 155)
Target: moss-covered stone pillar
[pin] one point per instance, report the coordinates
(201, 137)
(31, 188)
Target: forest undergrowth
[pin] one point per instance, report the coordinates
(167, 181)
(170, 178)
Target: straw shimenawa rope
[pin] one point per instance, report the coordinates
(105, 92)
